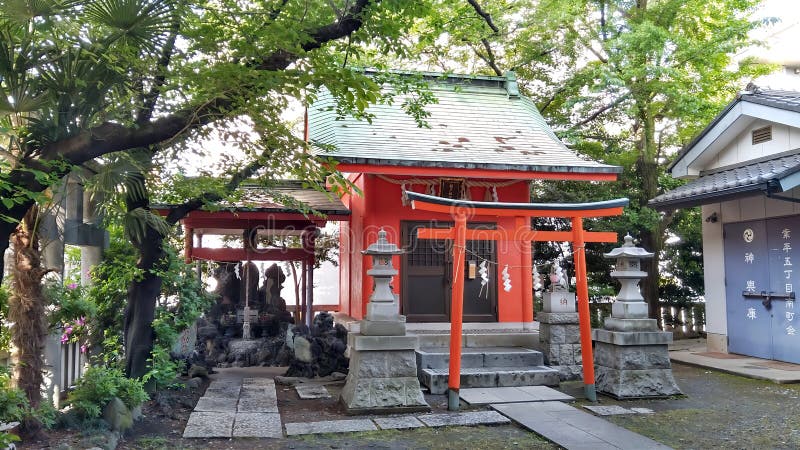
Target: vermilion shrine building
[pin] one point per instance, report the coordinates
(483, 141)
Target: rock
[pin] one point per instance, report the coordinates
(198, 371)
(136, 413)
(302, 349)
(118, 416)
(106, 440)
(194, 383)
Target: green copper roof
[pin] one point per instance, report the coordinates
(478, 123)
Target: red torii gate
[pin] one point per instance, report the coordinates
(523, 235)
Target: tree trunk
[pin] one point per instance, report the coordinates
(140, 312)
(27, 312)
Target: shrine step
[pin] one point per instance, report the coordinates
(471, 357)
(473, 377)
(496, 339)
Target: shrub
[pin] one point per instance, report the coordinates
(101, 384)
(13, 403)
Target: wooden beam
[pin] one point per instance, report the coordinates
(531, 235)
(239, 254)
(503, 212)
(474, 173)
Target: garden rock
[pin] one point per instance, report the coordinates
(198, 371)
(194, 383)
(317, 352)
(118, 416)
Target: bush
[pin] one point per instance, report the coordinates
(101, 384)
(13, 403)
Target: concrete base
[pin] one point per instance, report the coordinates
(630, 324)
(633, 364)
(383, 327)
(717, 342)
(560, 338)
(382, 376)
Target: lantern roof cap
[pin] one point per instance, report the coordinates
(629, 250)
(382, 246)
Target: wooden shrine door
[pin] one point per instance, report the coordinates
(426, 275)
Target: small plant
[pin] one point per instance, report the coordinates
(13, 403)
(7, 438)
(101, 384)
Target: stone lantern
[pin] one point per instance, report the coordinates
(383, 317)
(629, 311)
(631, 357)
(382, 376)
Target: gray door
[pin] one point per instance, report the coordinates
(747, 270)
(760, 282)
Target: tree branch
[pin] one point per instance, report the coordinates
(149, 99)
(486, 16)
(489, 57)
(600, 111)
(111, 137)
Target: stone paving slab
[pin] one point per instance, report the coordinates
(613, 410)
(225, 389)
(330, 426)
(610, 410)
(572, 428)
(258, 382)
(397, 423)
(257, 405)
(209, 425)
(463, 418)
(259, 392)
(312, 391)
(258, 425)
(486, 396)
(216, 404)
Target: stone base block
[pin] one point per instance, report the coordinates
(632, 357)
(558, 302)
(629, 310)
(557, 318)
(614, 324)
(562, 354)
(559, 333)
(383, 327)
(569, 373)
(625, 384)
(360, 342)
(632, 337)
(383, 381)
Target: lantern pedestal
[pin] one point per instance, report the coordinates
(630, 353)
(383, 363)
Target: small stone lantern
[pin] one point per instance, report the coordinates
(383, 317)
(630, 304)
(631, 355)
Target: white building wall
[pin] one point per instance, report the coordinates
(745, 209)
(742, 149)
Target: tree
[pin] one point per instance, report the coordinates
(627, 82)
(117, 94)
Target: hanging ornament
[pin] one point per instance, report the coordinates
(431, 189)
(236, 272)
(506, 279)
(537, 280)
(403, 196)
(495, 198)
(483, 272)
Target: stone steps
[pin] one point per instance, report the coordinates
(485, 367)
(473, 377)
(480, 340)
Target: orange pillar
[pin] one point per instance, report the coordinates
(188, 243)
(457, 310)
(579, 253)
(526, 282)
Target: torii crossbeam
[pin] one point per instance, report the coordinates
(461, 210)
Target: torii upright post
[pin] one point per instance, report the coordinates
(523, 235)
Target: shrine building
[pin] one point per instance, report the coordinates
(744, 171)
(483, 141)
